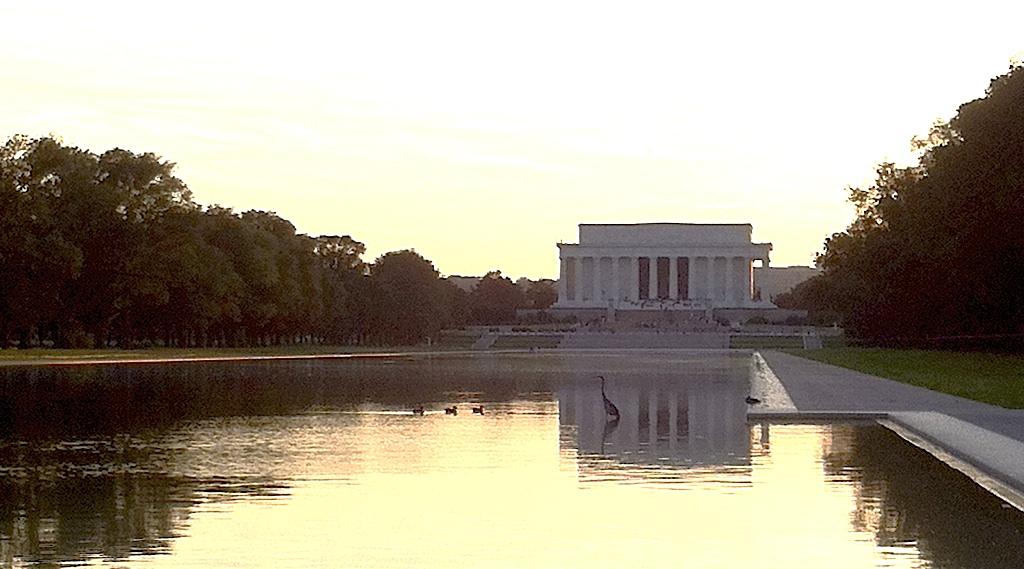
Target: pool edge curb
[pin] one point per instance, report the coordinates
(985, 476)
(1005, 487)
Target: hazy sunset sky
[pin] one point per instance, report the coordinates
(481, 133)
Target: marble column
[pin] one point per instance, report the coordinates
(729, 277)
(742, 279)
(711, 278)
(586, 279)
(691, 289)
(749, 264)
(572, 275)
(634, 279)
(563, 275)
(616, 295)
(673, 278)
(596, 295)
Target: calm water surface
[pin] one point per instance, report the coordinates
(322, 464)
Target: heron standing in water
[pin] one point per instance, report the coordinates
(609, 408)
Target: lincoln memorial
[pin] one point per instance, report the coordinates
(661, 266)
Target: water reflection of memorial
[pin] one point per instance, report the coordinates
(697, 419)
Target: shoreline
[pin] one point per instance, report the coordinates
(181, 355)
(188, 356)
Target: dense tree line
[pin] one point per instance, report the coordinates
(110, 249)
(937, 249)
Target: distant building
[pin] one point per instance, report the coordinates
(465, 283)
(661, 266)
(773, 281)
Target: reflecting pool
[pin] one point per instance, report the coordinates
(323, 464)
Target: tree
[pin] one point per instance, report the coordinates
(935, 249)
(456, 305)
(36, 259)
(342, 272)
(494, 299)
(411, 297)
(110, 249)
(541, 294)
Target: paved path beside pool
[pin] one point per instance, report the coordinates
(987, 437)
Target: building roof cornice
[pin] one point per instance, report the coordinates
(666, 223)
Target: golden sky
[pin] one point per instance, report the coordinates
(481, 133)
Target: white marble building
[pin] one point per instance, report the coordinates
(658, 266)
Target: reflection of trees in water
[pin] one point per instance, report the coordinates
(40, 402)
(839, 455)
(51, 521)
(907, 496)
(63, 502)
(110, 460)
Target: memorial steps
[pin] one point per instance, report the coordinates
(645, 339)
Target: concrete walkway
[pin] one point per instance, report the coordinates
(985, 437)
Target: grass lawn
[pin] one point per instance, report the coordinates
(992, 378)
